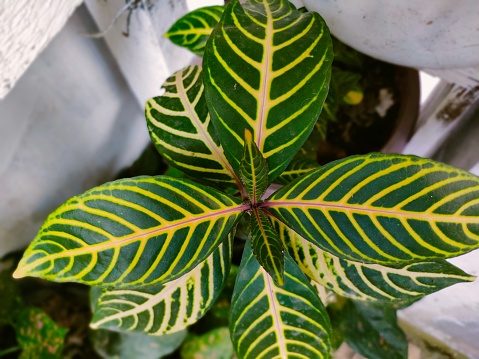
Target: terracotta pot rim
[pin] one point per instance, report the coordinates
(409, 89)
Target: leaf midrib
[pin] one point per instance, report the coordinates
(265, 83)
(267, 243)
(452, 218)
(121, 242)
(276, 317)
(201, 127)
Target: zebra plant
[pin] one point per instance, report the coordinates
(374, 228)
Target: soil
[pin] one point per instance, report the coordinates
(68, 305)
(363, 128)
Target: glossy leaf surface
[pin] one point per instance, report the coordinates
(193, 30)
(268, 321)
(167, 308)
(267, 69)
(371, 330)
(138, 231)
(180, 128)
(253, 169)
(386, 209)
(369, 282)
(267, 246)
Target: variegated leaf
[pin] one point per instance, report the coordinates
(369, 282)
(170, 307)
(180, 128)
(385, 209)
(193, 30)
(253, 170)
(267, 246)
(131, 232)
(38, 335)
(267, 69)
(297, 167)
(268, 321)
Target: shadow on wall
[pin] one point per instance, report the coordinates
(69, 124)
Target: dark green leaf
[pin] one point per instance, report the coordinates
(384, 209)
(166, 308)
(253, 170)
(193, 30)
(267, 246)
(268, 321)
(132, 232)
(267, 69)
(180, 127)
(371, 330)
(369, 282)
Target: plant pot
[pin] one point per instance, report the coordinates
(360, 130)
(422, 34)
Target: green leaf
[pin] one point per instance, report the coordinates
(297, 167)
(268, 321)
(215, 344)
(369, 282)
(253, 169)
(115, 345)
(38, 335)
(167, 308)
(371, 330)
(385, 209)
(193, 30)
(267, 246)
(131, 232)
(180, 128)
(267, 69)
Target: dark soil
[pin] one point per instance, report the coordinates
(360, 129)
(68, 305)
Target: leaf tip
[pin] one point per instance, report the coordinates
(279, 281)
(278, 277)
(471, 278)
(248, 136)
(19, 273)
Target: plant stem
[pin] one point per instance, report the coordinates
(9, 350)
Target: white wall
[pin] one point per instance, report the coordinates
(69, 124)
(26, 28)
